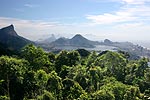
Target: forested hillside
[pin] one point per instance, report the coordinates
(73, 75)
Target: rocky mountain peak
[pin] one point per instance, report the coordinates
(9, 30)
(107, 41)
(78, 36)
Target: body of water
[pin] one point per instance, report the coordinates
(97, 48)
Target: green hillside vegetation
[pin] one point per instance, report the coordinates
(73, 75)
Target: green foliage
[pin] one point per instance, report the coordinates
(132, 93)
(114, 62)
(84, 96)
(12, 67)
(30, 86)
(73, 75)
(137, 74)
(147, 94)
(51, 57)
(61, 60)
(103, 95)
(41, 78)
(12, 72)
(92, 57)
(67, 58)
(73, 58)
(120, 90)
(36, 57)
(117, 88)
(83, 52)
(96, 76)
(142, 65)
(72, 90)
(46, 96)
(79, 74)
(125, 54)
(64, 71)
(54, 84)
(4, 98)
(147, 75)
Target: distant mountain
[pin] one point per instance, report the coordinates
(80, 42)
(61, 41)
(48, 40)
(129, 47)
(11, 39)
(107, 42)
(77, 41)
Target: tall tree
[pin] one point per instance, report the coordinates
(61, 60)
(36, 57)
(114, 62)
(54, 85)
(67, 58)
(12, 71)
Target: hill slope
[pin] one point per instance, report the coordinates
(9, 37)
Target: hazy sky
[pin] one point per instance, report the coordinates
(126, 20)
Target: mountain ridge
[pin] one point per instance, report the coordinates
(12, 41)
(77, 41)
(9, 37)
(48, 40)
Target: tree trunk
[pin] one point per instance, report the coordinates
(8, 91)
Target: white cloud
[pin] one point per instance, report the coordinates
(35, 24)
(108, 18)
(31, 29)
(128, 26)
(129, 21)
(133, 2)
(38, 29)
(30, 5)
(131, 11)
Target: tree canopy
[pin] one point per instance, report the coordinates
(73, 75)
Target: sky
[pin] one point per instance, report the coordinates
(117, 20)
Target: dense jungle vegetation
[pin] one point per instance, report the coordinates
(73, 75)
